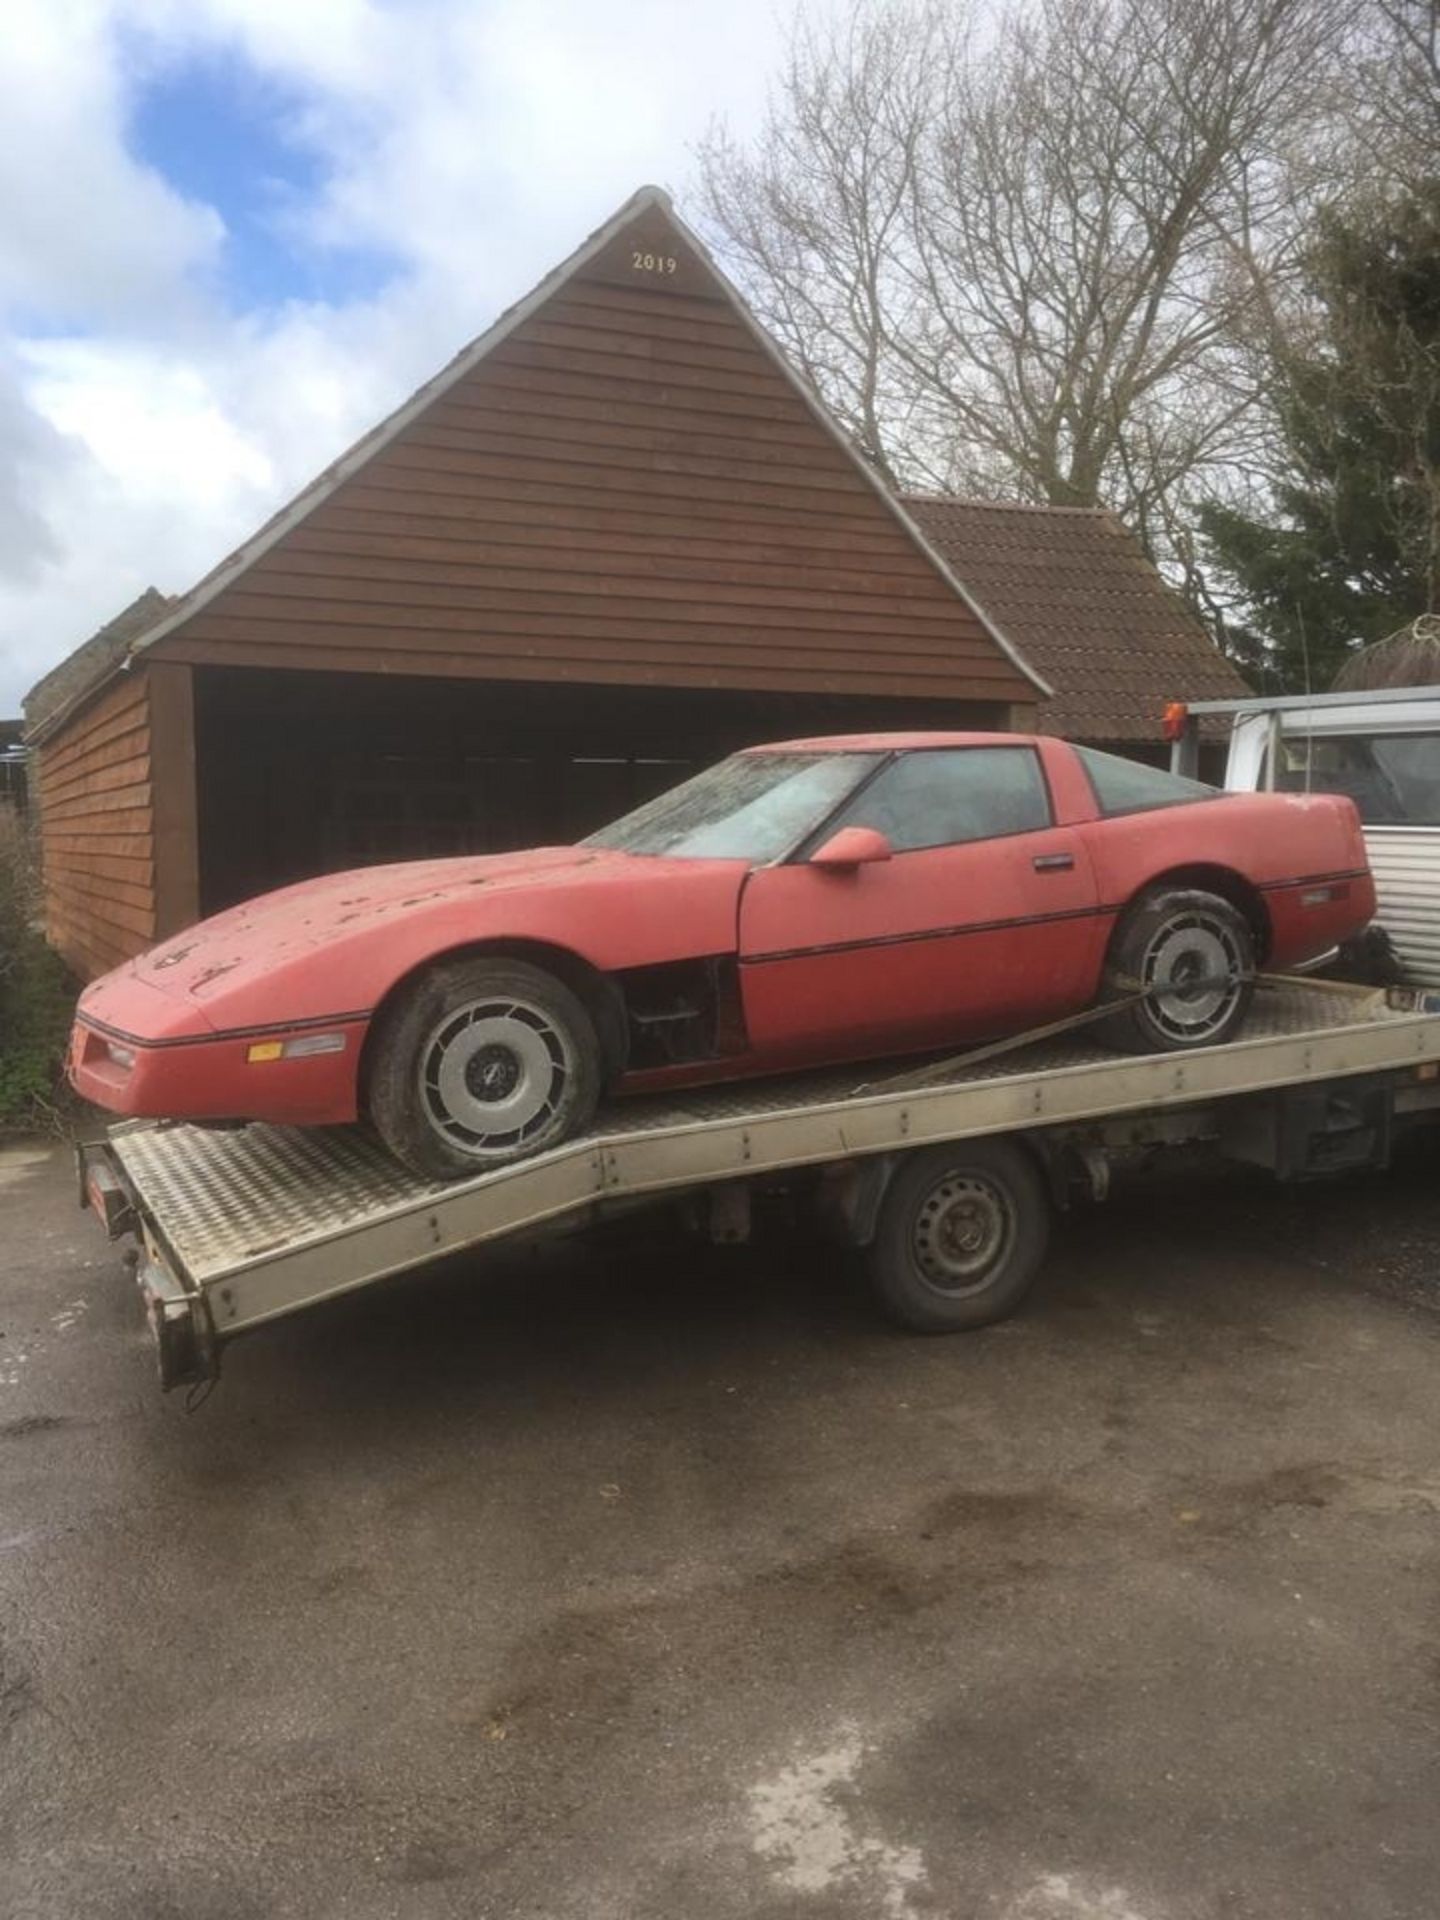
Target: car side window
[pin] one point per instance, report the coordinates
(940, 797)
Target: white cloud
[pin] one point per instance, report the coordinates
(32, 452)
(86, 234)
(145, 429)
(144, 419)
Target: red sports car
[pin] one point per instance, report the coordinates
(818, 901)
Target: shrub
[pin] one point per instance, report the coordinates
(36, 997)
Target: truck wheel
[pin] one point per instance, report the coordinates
(960, 1237)
(1194, 953)
(481, 1062)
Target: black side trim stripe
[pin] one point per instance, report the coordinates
(223, 1033)
(1315, 880)
(1003, 926)
(929, 933)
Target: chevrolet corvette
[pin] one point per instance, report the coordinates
(809, 903)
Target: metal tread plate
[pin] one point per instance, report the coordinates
(225, 1201)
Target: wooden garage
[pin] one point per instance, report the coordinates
(615, 538)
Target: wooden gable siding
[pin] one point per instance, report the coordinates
(117, 808)
(98, 826)
(626, 489)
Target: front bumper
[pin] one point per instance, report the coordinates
(213, 1077)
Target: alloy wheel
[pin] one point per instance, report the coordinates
(1194, 971)
(493, 1076)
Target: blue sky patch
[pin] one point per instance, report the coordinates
(223, 133)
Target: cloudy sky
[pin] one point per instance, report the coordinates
(233, 233)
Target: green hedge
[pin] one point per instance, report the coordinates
(37, 999)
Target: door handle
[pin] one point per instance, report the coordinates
(1053, 862)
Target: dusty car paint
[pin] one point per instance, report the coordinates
(948, 943)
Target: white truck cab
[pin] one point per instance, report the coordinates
(1382, 748)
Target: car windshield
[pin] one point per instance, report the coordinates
(754, 807)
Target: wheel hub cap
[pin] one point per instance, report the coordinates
(961, 1230)
(1194, 967)
(492, 1075)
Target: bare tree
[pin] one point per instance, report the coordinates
(1391, 103)
(1028, 252)
(817, 215)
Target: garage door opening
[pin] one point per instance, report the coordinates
(306, 773)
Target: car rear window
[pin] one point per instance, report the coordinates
(1129, 786)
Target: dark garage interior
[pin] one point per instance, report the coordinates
(304, 773)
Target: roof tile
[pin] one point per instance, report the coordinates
(1072, 588)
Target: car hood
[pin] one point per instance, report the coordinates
(276, 927)
(336, 944)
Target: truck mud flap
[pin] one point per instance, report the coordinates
(186, 1350)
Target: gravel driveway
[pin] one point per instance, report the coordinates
(645, 1582)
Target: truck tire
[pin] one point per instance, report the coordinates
(961, 1233)
(1178, 935)
(479, 1063)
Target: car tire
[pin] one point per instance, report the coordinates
(1177, 934)
(479, 1063)
(960, 1236)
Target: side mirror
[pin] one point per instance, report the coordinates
(851, 847)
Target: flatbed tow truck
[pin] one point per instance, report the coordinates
(947, 1173)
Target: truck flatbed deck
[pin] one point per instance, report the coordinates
(241, 1226)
